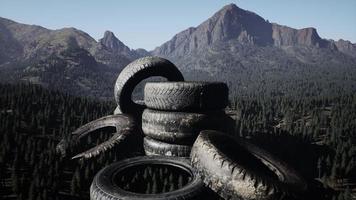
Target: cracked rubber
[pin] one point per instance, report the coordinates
(156, 147)
(186, 96)
(134, 73)
(124, 125)
(236, 169)
(183, 127)
(104, 188)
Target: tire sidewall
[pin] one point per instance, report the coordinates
(103, 181)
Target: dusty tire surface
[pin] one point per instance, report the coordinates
(185, 96)
(236, 169)
(156, 147)
(106, 183)
(183, 127)
(137, 71)
(117, 111)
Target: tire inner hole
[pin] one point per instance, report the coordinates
(152, 178)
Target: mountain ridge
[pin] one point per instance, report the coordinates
(65, 56)
(232, 22)
(253, 55)
(230, 43)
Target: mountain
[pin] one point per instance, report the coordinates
(112, 52)
(113, 44)
(229, 23)
(253, 55)
(234, 45)
(66, 59)
(234, 23)
(36, 42)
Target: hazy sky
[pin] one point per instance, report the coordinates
(149, 23)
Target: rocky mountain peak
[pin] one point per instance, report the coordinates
(229, 23)
(231, 11)
(230, 8)
(113, 44)
(112, 52)
(232, 22)
(109, 34)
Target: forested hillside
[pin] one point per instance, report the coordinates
(32, 121)
(316, 135)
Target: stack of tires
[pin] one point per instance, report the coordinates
(175, 119)
(176, 113)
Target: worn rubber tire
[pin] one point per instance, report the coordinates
(156, 147)
(134, 73)
(125, 125)
(104, 188)
(183, 127)
(186, 96)
(236, 169)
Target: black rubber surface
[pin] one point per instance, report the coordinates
(134, 73)
(236, 169)
(183, 127)
(109, 183)
(156, 147)
(186, 96)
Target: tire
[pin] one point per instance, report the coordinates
(107, 183)
(186, 96)
(125, 125)
(156, 147)
(183, 127)
(134, 73)
(236, 169)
